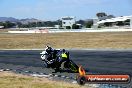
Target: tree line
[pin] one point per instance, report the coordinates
(8, 24)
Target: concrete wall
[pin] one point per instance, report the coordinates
(72, 30)
(131, 22)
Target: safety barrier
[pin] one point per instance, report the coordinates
(71, 30)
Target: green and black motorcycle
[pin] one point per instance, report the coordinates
(50, 59)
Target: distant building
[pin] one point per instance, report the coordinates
(57, 26)
(1, 27)
(68, 21)
(95, 22)
(123, 21)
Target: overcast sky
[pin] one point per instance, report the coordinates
(54, 9)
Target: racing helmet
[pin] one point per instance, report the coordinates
(48, 49)
(63, 50)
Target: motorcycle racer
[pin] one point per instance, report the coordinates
(58, 59)
(62, 56)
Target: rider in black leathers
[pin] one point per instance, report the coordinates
(57, 56)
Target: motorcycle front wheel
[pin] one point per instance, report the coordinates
(46, 65)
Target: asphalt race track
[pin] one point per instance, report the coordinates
(102, 62)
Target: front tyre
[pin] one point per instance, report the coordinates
(46, 65)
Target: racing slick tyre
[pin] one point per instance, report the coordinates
(81, 80)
